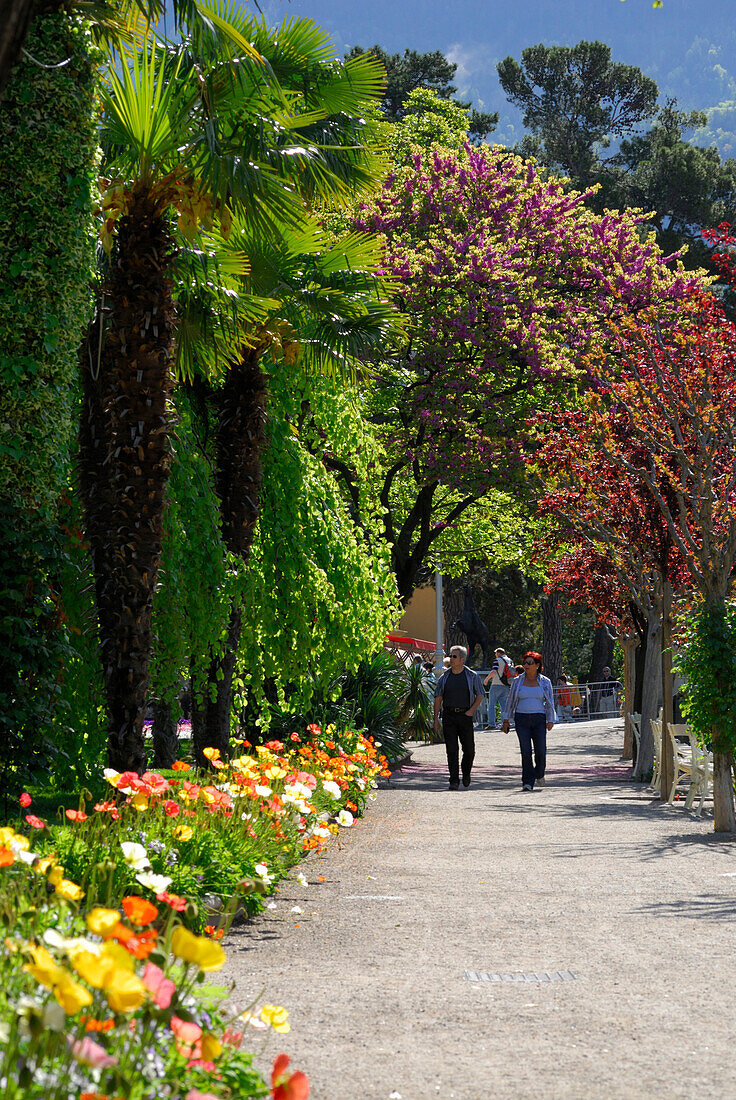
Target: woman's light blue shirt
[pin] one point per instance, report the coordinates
(547, 702)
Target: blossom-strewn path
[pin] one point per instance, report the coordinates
(587, 876)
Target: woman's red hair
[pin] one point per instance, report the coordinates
(536, 657)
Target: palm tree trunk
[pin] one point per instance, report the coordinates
(238, 479)
(124, 463)
(165, 739)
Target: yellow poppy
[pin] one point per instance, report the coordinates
(70, 994)
(277, 1017)
(44, 967)
(118, 954)
(70, 890)
(183, 832)
(102, 921)
(124, 991)
(95, 969)
(197, 949)
(211, 1047)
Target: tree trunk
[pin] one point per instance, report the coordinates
(165, 739)
(629, 643)
(640, 656)
(552, 637)
(14, 26)
(453, 600)
(602, 655)
(213, 727)
(651, 696)
(124, 464)
(723, 814)
(667, 771)
(238, 477)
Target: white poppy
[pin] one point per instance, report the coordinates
(331, 788)
(345, 818)
(135, 855)
(157, 883)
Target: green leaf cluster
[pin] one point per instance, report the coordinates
(708, 667)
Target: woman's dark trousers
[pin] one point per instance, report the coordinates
(458, 727)
(531, 729)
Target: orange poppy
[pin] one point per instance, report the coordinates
(139, 911)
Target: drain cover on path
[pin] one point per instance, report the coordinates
(521, 976)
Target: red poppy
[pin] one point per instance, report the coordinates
(35, 822)
(76, 815)
(177, 903)
(294, 1086)
(171, 808)
(25, 799)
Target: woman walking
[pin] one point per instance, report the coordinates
(531, 705)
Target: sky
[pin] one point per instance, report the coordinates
(689, 46)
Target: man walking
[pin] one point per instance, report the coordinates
(500, 677)
(458, 694)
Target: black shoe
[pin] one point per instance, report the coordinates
(466, 782)
(455, 786)
(527, 787)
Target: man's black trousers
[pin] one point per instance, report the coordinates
(458, 728)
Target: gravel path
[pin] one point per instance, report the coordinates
(631, 906)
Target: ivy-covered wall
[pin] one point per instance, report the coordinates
(47, 156)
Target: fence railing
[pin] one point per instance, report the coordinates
(573, 702)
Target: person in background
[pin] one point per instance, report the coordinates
(458, 693)
(499, 678)
(531, 704)
(519, 670)
(564, 699)
(609, 693)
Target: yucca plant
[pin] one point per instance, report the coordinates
(200, 130)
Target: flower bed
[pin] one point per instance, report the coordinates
(103, 992)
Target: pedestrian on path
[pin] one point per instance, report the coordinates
(499, 678)
(458, 693)
(531, 704)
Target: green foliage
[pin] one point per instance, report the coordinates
(46, 239)
(198, 579)
(428, 120)
(376, 696)
(319, 591)
(412, 71)
(48, 155)
(688, 188)
(708, 667)
(574, 97)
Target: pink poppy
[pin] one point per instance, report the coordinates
(160, 987)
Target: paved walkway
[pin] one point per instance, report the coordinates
(588, 880)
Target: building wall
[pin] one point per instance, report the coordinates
(418, 619)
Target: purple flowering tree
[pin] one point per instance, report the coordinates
(507, 283)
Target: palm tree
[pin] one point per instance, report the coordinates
(308, 298)
(203, 129)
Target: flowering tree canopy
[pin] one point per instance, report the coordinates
(507, 283)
